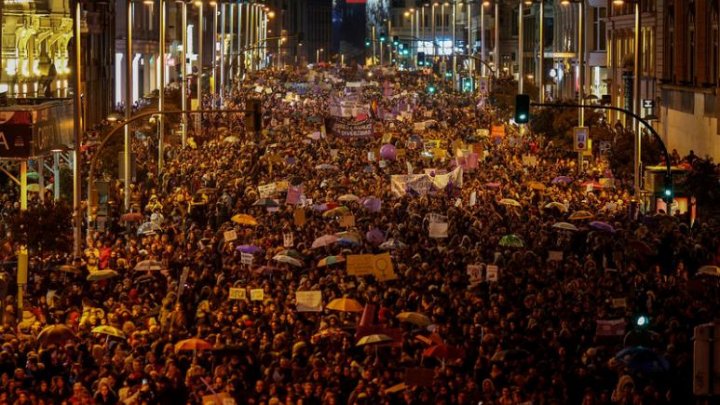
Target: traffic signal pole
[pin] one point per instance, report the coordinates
(668, 164)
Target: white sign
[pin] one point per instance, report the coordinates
(246, 258)
(473, 199)
(266, 190)
(438, 230)
(492, 273)
(308, 301)
(581, 136)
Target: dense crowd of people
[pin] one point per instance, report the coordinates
(572, 255)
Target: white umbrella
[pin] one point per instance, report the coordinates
(288, 260)
(149, 265)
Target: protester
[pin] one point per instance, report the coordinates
(529, 335)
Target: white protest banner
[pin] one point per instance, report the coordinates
(230, 235)
(288, 240)
(458, 202)
(257, 294)
(266, 190)
(308, 301)
(238, 294)
(438, 230)
(611, 327)
(246, 258)
(492, 273)
(474, 272)
(473, 199)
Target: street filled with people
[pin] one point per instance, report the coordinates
(372, 243)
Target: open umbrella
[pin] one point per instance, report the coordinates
(392, 244)
(326, 166)
(348, 238)
(102, 275)
(642, 359)
(330, 260)
(536, 185)
(244, 219)
(566, 226)
(561, 180)
(148, 228)
(709, 270)
(67, 268)
(336, 212)
(511, 240)
(288, 260)
(325, 240)
(231, 139)
(329, 333)
(149, 265)
(510, 202)
(582, 214)
(35, 176)
(266, 202)
(602, 226)
(414, 318)
(348, 198)
(556, 205)
(443, 352)
(109, 330)
(374, 339)
(131, 217)
(292, 253)
(56, 334)
(252, 249)
(375, 236)
(345, 305)
(372, 204)
(192, 345)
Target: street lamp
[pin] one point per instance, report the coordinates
(184, 82)
(541, 68)
(434, 37)
(636, 94)
(483, 53)
(581, 68)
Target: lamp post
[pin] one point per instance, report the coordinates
(483, 53)
(222, 53)
(540, 71)
(183, 72)
(128, 104)
(452, 47)
(78, 133)
(521, 51)
(214, 88)
(199, 5)
(496, 48)
(637, 155)
(471, 62)
(374, 45)
(161, 92)
(434, 37)
(581, 68)
(442, 21)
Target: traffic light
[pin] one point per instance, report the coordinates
(668, 192)
(522, 109)
(421, 58)
(396, 40)
(431, 89)
(642, 321)
(382, 37)
(367, 43)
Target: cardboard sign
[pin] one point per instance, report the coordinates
(619, 303)
(288, 240)
(308, 301)
(347, 220)
(492, 273)
(230, 236)
(299, 217)
(238, 294)
(555, 256)
(360, 265)
(246, 258)
(438, 230)
(474, 272)
(383, 268)
(257, 294)
(266, 190)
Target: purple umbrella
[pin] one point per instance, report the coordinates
(372, 204)
(375, 236)
(562, 179)
(602, 226)
(248, 249)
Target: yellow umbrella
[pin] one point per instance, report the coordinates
(582, 214)
(510, 202)
(373, 339)
(244, 219)
(536, 185)
(345, 305)
(414, 318)
(109, 330)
